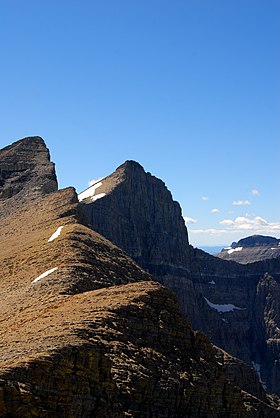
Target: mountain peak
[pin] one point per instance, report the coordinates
(27, 142)
(137, 213)
(130, 165)
(26, 169)
(255, 241)
(131, 168)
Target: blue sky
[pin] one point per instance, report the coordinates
(190, 89)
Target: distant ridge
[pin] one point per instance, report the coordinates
(251, 249)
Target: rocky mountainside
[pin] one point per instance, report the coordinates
(130, 197)
(251, 249)
(136, 211)
(85, 332)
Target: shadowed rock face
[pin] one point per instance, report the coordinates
(138, 208)
(220, 297)
(97, 337)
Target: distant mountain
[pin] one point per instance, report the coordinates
(251, 249)
(256, 241)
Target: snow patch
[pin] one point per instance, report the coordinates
(89, 192)
(232, 250)
(227, 307)
(55, 234)
(212, 282)
(44, 275)
(98, 196)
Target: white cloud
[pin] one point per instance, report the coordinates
(255, 224)
(243, 225)
(215, 210)
(209, 231)
(189, 220)
(227, 222)
(204, 198)
(255, 192)
(241, 202)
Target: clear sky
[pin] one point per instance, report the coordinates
(188, 88)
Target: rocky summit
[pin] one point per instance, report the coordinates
(87, 332)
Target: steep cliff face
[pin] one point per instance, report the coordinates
(135, 210)
(268, 313)
(85, 332)
(138, 208)
(220, 297)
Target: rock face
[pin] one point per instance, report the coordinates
(251, 249)
(25, 168)
(85, 332)
(133, 198)
(220, 297)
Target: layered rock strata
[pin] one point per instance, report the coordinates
(25, 168)
(136, 211)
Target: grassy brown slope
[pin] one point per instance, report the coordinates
(84, 259)
(92, 355)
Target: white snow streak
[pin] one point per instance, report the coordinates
(98, 196)
(90, 191)
(227, 307)
(232, 250)
(44, 275)
(55, 234)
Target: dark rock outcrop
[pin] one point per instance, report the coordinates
(25, 167)
(138, 208)
(220, 297)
